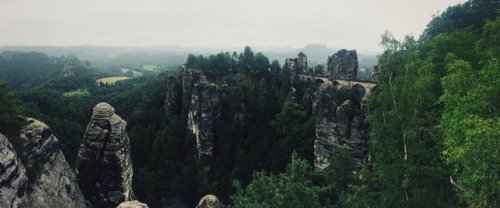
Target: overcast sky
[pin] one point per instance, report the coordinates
(353, 24)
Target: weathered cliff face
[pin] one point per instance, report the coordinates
(301, 63)
(326, 123)
(205, 107)
(343, 64)
(292, 95)
(307, 101)
(296, 65)
(337, 126)
(375, 73)
(43, 178)
(173, 104)
(13, 180)
(104, 167)
(290, 64)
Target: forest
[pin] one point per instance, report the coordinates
(433, 138)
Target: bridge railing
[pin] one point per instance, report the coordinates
(319, 76)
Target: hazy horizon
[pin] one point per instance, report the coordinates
(213, 24)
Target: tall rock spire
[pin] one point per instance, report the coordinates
(104, 167)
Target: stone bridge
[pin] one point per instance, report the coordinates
(365, 86)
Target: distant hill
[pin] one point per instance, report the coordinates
(173, 55)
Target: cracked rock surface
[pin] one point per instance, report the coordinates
(104, 167)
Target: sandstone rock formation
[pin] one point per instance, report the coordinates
(104, 167)
(292, 95)
(338, 125)
(205, 108)
(301, 62)
(208, 201)
(43, 178)
(13, 180)
(296, 65)
(375, 73)
(132, 204)
(343, 65)
(173, 105)
(307, 101)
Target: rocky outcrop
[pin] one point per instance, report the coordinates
(205, 108)
(338, 125)
(132, 204)
(208, 201)
(351, 130)
(296, 65)
(375, 73)
(343, 65)
(13, 180)
(173, 102)
(104, 167)
(307, 101)
(326, 122)
(292, 95)
(301, 63)
(290, 64)
(43, 178)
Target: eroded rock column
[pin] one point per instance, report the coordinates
(104, 167)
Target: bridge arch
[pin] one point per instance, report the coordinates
(335, 83)
(319, 81)
(359, 90)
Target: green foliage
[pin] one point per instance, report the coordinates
(319, 69)
(10, 109)
(434, 115)
(472, 14)
(246, 59)
(437, 96)
(299, 185)
(402, 139)
(471, 126)
(292, 188)
(289, 121)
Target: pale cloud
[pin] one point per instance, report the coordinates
(222, 23)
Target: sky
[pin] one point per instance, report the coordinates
(351, 24)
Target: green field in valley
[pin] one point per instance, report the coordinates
(134, 72)
(111, 80)
(151, 68)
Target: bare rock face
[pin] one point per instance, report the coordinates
(326, 123)
(290, 64)
(375, 73)
(173, 104)
(132, 204)
(338, 125)
(292, 95)
(205, 108)
(13, 180)
(351, 129)
(104, 167)
(208, 201)
(301, 63)
(39, 176)
(343, 65)
(307, 101)
(296, 65)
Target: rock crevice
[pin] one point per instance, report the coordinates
(338, 125)
(104, 167)
(35, 173)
